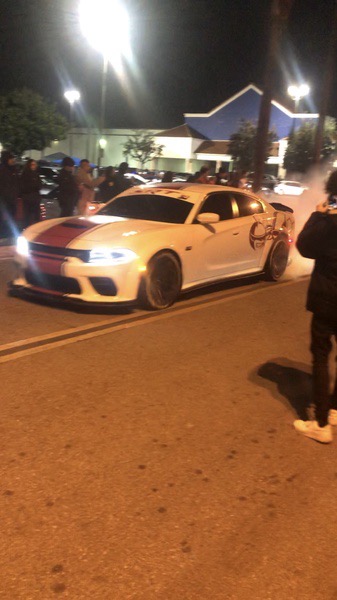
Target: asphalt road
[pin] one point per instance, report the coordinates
(152, 456)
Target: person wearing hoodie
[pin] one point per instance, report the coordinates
(318, 240)
(9, 191)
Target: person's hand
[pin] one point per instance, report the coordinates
(323, 207)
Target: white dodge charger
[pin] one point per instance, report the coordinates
(149, 244)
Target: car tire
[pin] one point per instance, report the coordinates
(277, 260)
(161, 284)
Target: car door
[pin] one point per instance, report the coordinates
(216, 248)
(252, 224)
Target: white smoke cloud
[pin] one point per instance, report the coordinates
(303, 206)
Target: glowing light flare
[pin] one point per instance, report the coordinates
(105, 24)
(22, 246)
(296, 92)
(72, 96)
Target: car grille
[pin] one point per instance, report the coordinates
(36, 248)
(53, 283)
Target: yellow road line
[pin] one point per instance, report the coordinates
(69, 336)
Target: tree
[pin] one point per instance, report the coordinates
(300, 150)
(142, 147)
(29, 122)
(242, 145)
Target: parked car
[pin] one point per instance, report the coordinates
(291, 188)
(50, 173)
(136, 179)
(152, 242)
(268, 181)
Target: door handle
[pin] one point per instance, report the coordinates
(235, 232)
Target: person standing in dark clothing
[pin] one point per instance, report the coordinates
(318, 240)
(107, 187)
(203, 176)
(121, 182)
(30, 185)
(68, 188)
(221, 177)
(167, 177)
(9, 191)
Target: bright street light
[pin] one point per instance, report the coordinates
(71, 96)
(297, 92)
(105, 24)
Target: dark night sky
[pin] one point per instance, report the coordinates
(190, 55)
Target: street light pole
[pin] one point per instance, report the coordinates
(96, 17)
(103, 104)
(297, 92)
(72, 96)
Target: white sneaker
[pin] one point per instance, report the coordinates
(332, 417)
(312, 430)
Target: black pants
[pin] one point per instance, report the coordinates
(322, 331)
(7, 217)
(31, 209)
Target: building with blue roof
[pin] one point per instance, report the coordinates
(203, 138)
(209, 133)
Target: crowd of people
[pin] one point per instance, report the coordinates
(236, 179)
(76, 190)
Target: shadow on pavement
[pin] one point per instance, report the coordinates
(293, 382)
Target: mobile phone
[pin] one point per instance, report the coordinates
(332, 202)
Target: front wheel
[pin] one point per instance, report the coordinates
(277, 260)
(161, 284)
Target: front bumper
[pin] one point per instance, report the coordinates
(73, 281)
(25, 291)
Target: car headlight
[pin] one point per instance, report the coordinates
(22, 247)
(107, 256)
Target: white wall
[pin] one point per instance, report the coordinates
(178, 152)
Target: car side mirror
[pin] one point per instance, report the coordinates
(208, 218)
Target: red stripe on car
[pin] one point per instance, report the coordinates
(62, 234)
(59, 236)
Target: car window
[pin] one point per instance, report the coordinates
(248, 205)
(220, 204)
(150, 207)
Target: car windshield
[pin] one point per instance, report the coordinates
(149, 207)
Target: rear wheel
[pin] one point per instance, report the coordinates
(277, 260)
(161, 284)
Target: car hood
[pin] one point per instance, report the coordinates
(97, 229)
